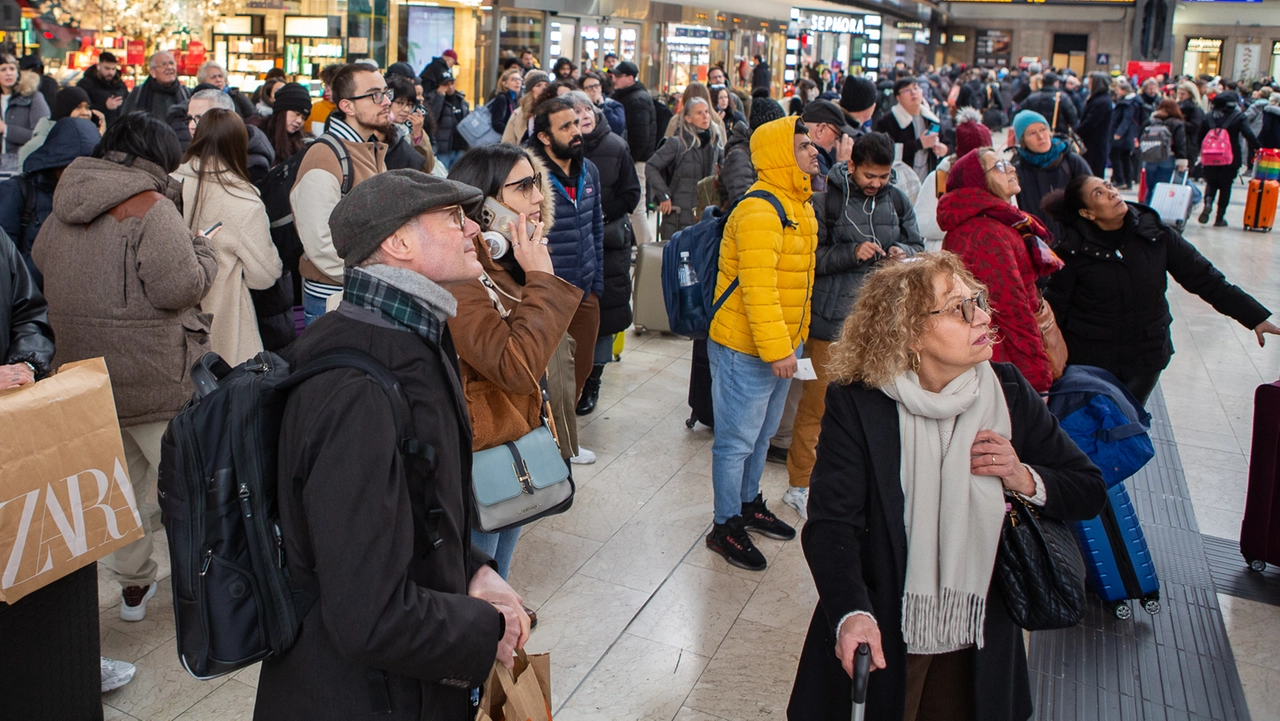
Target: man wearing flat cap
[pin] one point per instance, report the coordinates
(410, 616)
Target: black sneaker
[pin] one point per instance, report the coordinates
(1204, 215)
(776, 455)
(731, 540)
(1220, 223)
(757, 517)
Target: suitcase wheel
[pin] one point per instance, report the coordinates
(1122, 611)
(1256, 565)
(1151, 605)
(693, 421)
(640, 330)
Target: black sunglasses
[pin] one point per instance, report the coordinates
(526, 185)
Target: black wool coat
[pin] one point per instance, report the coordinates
(1095, 132)
(1109, 298)
(642, 122)
(619, 193)
(856, 544)
(393, 616)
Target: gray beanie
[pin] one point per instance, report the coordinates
(378, 207)
(533, 77)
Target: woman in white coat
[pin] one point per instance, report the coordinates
(216, 189)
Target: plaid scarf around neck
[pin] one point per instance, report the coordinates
(1034, 234)
(401, 308)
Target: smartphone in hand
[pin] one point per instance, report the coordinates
(211, 230)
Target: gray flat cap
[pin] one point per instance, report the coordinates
(376, 208)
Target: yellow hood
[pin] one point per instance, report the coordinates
(773, 153)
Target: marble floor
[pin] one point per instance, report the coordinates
(643, 622)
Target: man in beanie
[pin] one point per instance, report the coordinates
(642, 132)
(70, 102)
(363, 113)
(437, 70)
(863, 219)
(410, 617)
(1044, 163)
(858, 100)
(105, 88)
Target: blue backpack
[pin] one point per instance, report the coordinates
(701, 241)
(1104, 419)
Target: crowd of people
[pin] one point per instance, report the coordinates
(492, 279)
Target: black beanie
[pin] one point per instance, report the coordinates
(858, 94)
(67, 100)
(404, 70)
(292, 96)
(763, 110)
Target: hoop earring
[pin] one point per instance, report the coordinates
(915, 361)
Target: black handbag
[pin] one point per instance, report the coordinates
(1039, 569)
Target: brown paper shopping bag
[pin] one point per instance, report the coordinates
(527, 688)
(65, 497)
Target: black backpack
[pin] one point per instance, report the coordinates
(234, 601)
(275, 196)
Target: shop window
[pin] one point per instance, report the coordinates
(519, 30)
(1203, 56)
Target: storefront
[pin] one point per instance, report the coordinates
(993, 48)
(1275, 59)
(1202, 56)
(310, 43)
(912, 44)
(1059, 33)
(688, 55)
(424, 30)
(245, 50)
(848, 42)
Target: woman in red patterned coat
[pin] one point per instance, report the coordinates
(1006, 249)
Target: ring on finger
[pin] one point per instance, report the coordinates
(993, 460)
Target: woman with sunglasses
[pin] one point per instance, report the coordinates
(512, 319)
(1005, 248)
(923, 438)
(1109, 298)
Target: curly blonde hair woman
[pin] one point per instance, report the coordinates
(923, 436)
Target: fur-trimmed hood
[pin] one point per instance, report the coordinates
(28, 83)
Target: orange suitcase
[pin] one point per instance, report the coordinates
(1260, 208)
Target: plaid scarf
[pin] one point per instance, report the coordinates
(401, 308)
(1034, 234)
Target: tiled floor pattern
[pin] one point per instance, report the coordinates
(644, 623)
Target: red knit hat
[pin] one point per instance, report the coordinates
(971, 135)
(967, 172)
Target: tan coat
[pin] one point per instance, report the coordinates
(124, 277)
(247, 259)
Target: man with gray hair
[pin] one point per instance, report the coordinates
(212, 73)
(161, 91)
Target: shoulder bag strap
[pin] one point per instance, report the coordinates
(1057, 98)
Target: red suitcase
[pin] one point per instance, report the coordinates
(1260, 530)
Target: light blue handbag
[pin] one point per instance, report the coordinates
(521, 481)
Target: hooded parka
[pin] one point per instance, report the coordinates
(139, 308)
(685, 159)
(768, 314)
(619, 193)
(26, 107)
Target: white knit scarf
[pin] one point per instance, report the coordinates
(953, 517)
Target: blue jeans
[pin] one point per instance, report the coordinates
(501, 546)
(313, 303)
(1161, 172)
(449, 158)
(751, 400)
(604, 350)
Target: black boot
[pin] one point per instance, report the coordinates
(590, 392)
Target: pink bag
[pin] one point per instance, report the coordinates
(1215, 149)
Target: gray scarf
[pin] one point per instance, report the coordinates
(953, 518)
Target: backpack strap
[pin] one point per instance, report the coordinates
(405, 444)
(28, 214)
(344, 161)
(782, 217)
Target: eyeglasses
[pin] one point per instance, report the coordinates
(457, 214)
(966, 307)
(592, 86)
(194, 119)
(377, 96)
(526, 185)
(1003, 166)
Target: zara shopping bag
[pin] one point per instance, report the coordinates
(65, 496)
(520, 694)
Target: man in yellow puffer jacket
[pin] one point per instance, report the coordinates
(757, 334)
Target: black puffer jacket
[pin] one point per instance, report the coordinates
(1193, 116)
(448, 111)
(846, 219)
(1270, 135)
(1043, 101)
(1177, 131)
(1109, 299)
(619, 193)
(25, 333)
(99, 90)
(737, 174)
(1039, 182)
(642, 127)
(1095, 131)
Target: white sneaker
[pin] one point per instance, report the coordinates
(133, 607)
(584, 457)
(798, 498)
(115, 673)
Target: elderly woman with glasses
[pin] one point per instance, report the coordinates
(923, 439)
(1005, 248)
(512, 319)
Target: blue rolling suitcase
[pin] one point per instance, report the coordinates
(1111, 427)
(1117, 558)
